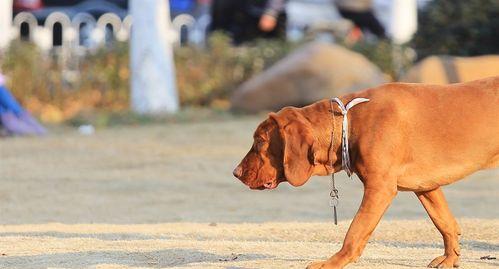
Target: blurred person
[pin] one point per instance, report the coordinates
(13, 118)
(246, 20)
(360, 12)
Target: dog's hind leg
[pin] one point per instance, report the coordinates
(435, 204)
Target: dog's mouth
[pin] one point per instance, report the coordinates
(268, 185)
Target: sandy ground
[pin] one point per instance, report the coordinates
(164, 196)
(396, 244)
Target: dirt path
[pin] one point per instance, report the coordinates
(180, 175)
(396, 244)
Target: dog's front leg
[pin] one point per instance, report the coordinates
(378, 194)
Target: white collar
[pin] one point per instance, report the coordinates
(345, 155)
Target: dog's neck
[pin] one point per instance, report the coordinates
(324, 123)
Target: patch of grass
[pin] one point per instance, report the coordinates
(101, 119)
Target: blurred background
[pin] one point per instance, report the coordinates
(159, 99)
(121, 122)
(68, 61)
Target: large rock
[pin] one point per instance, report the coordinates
(448, 69)
(311, 73)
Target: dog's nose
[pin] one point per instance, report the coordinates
(238, 171)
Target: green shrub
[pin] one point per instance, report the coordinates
(206, 77)
(462, 27)
(100, 82)
(382, 54)
(54, 93)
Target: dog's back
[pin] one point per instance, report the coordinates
(444, 132)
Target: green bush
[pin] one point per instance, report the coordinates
(462, 27)
(54, 93)
(99, 82)
(206, 77)
(382, 54)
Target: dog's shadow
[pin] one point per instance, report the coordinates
(465, 244)
(83, 259)
(156, 259)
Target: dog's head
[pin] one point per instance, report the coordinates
(282, 150)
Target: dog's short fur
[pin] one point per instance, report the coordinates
(408, 137)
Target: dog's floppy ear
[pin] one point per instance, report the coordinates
(298, 142)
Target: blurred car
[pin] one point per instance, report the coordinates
(26, 5)
(182, 6)
(41, 9)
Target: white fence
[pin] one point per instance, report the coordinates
(83, 32)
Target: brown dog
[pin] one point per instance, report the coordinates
(408, 137)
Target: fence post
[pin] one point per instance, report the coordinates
(5, 23)
(153, 83)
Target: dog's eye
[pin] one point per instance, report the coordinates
(259, 143)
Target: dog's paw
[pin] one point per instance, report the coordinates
(445, 262)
